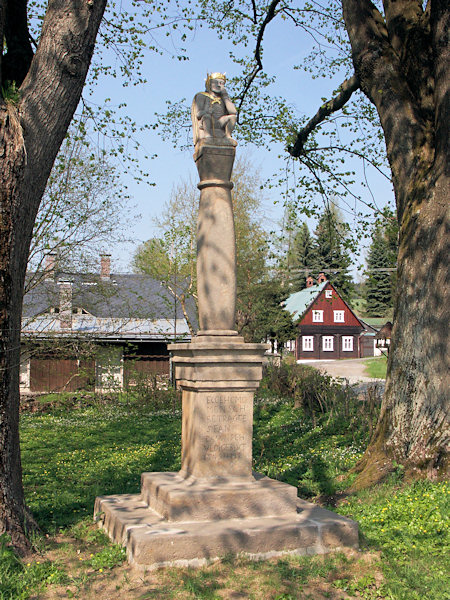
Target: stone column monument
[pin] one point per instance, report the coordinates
(216, 504)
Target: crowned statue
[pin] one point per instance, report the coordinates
(213, 113)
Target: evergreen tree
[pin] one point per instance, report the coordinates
(330, 254)
(380, 285)
(302, 257)
(269, 321)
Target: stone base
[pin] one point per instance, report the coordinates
(210, 499)
(206, 521)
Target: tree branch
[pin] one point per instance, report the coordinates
(50, 93)
(401, 17)
(19, 55)
(270, 15)
(383, 80)
(347, 88)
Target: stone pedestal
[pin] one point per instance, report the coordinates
(218, 380)
(216, 504)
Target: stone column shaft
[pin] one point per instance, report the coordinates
(216, 258)
(216, 242)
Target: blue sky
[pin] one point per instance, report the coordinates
(171, 79)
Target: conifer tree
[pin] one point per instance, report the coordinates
(269, 321)
(330, 254)
(380, 284)
(302, 257)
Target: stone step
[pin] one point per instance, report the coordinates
(154, 542)
(180, 499)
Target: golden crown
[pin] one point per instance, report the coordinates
(215, 76)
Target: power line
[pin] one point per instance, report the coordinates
(382, 269)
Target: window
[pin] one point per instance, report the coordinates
(317, 316)
(307, 343)
(328, 293)
(347, 343)
(327, 343)
(338, 316)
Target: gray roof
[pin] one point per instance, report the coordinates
(111, 329)
(123, 295)
(126, 303)
(298, 302)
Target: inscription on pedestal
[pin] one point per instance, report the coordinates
(217, 433)
(228, 427)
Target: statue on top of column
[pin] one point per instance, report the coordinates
(213, 113)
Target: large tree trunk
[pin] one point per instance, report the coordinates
(32, 129)
(413, 428)
(12, 510)
(402, 65)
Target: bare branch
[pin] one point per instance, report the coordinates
(360, 155)
(347, 88)
(270, 15)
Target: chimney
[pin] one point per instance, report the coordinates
(321, 278)
(309, 281)
(105, 266)
(65, 304)
(49, 266)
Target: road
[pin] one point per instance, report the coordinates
(351, 369)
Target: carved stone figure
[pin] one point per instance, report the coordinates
(213, 113)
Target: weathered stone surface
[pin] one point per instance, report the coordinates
(221, 363)
(217, 433)
(214, 164)
(213, 113)
(152, 542)
(179, 499)
(216, 245)
(218, 380)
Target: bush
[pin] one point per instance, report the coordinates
(319, 394)
(146, 392)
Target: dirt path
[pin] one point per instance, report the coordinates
(352, 369)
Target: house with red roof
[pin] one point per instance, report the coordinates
(327, 326)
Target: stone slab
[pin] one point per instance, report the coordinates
(154, 542)
(179, 499)
(218, 362)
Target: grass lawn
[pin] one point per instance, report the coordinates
(376, 367)
(68, 459)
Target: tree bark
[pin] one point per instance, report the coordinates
(12, 509)
(31, 132)
(410, 90)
